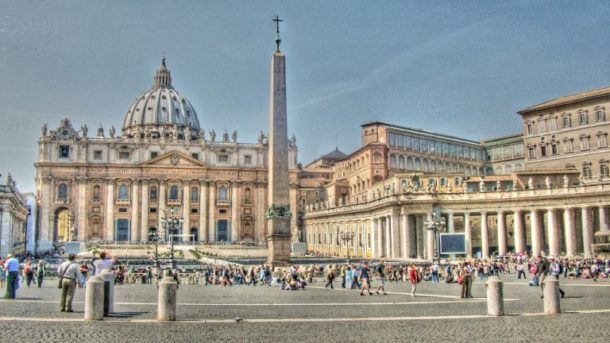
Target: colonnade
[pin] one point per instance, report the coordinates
(396, 234)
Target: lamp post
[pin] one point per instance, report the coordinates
(170, 225)
(346, 237)
(437, 224)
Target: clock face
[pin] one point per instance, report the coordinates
(64, 133)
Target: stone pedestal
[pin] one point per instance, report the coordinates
(551, 295)
(168, 296)
(495, 297)
(108, 278)
(278, 246)
(94, 299)
(74, 247)
(299, 249)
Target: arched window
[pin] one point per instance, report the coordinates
(62, 192)
(96, 193)
(247, 195)
(417, 164)
(392, 161)
(153, 194)
(123, 192)
(409, 163)
(376, 157)
(173, 192)
(401, 162)
(194, 194)
(222, 193)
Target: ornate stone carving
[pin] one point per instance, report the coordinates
(278, 211)
(212, 135)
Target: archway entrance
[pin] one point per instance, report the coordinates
(194, 235)
(62, 224)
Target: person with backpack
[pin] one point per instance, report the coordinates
(40, 273)
(556, 270)
(28, 273)
(414, 278)
(365, 276)
(380, 269)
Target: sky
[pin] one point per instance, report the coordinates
(461, 68)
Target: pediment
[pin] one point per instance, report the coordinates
(173, 159)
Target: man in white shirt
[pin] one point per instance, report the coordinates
(103, 263)
(69, 274)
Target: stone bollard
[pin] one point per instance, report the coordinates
(495, 297)
(94, 299)
(168, 295)
(108, 278)
(551, 296)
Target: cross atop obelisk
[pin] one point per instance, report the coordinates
(278, 213)
(278, 40)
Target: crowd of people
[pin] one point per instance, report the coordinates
(367, 277)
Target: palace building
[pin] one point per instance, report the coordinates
(545, 191)
(120, 187)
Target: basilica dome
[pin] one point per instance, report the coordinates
(161, 106)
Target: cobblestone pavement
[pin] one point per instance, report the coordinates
(268, 314)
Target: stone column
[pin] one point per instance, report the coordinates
(501, 233)
(212, 212)
(387, 234)
(468, 234)
(603, 222)
(552, 232)
(380, 238)
(235, 227)
(405, 237)
(186, 208)
(161, 211)
(373, 228)
(145, 210)
(587, 232)
(569, 231)
(46, 223)
(484, 236)
(450, 223)
(420, 232)
(519, 233)
(430, 239)
(135, 212)
(110, 210)
(535, 224)
(81, 215)
(203, 202)
(395, 235)
(261, 218)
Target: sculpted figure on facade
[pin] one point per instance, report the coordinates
(482, 186)
(100, 132)
(547, 181)
(498, 186)
(85, 130)
(44, 130)
(261, 138)
(515, 185)
(566, 181)
(530, 183)
(187, 134)
(234, 136)
(73, 234)
(212, 135)
(112, 132)
(225, 136)
(202, 135)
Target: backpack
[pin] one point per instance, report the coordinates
(379, 269)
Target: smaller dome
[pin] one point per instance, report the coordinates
(161, 106)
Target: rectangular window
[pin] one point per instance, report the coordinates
(97, 155)
(123, 155)
(194, 211)
(248, 159)
(583, 119)
(532, 152)
(568, 146)
(554, 149)
(530, 128)
(600, 115)
(584, 143)
(64, 151)
(152, 210)
(122, 209)
(195, 156)
(566, 122)
(153, 154)
(543, 151)
(602, 141)
(223, 158)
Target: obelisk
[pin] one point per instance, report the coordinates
(278, 213)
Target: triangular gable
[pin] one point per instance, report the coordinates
(175, 159)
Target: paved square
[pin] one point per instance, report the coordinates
(316, 314)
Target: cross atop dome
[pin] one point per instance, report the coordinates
(163, 78)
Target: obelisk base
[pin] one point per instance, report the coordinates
(278, 247)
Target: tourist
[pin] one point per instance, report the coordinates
(40, 273)
(365, 276)
(11, 268)
(28, 273)
(356, 277)
(2, 274)
(330, 277)
(84, 270)
(380, 269)
(103, 263)
(69, 276)
(520, 270)
(541, 271)
(414, 278)
(435, 272)
(348, 277)
(556, 271)
(465, 278)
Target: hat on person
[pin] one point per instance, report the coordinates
(9, 255)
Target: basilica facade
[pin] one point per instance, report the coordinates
(124, 187)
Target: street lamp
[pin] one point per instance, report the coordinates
(346, 237)
(171, 225)
(436, 224)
